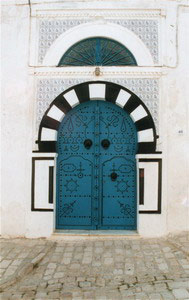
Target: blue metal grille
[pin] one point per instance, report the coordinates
(98, 52)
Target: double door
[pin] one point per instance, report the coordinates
(96, 168)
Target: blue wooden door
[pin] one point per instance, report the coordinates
(96, 168)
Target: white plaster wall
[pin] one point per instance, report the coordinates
(39, 224)
(152, 225)
(16, 119)
(176, 114)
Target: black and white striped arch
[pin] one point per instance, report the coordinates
(100, 90)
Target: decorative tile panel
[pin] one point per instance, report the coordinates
(51, 29)
(147, 89)
(146, 30)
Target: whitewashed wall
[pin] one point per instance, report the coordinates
(177, 138)
(17, 116)
(23, 69)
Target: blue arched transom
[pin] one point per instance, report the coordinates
(98, 51)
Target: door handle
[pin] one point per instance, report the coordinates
(113, 176)
(105, 144)
(88, 143)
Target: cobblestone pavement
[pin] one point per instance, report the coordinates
(103, 268)
(19, 257)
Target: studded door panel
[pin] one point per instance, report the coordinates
(119, 196)
(118, 193)
(96, 172)
(74, 207)
(75, 189)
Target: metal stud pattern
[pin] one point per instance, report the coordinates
(87, 198)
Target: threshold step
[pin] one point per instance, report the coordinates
(94, 234)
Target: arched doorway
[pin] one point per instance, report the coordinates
(96, 169)
(123, 100)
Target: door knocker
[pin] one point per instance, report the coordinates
(88, 143)
(105, 144)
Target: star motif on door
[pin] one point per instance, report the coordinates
(71, 185)
(122, 186)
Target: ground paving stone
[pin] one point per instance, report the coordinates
(19, 256)
(124, 268)
(181, 293)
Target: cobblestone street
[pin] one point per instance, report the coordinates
(124, 267)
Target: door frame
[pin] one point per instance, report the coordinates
(96, 90)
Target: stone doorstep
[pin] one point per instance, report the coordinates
(74, 235)
(24, 269)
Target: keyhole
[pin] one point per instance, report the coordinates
(113, 176)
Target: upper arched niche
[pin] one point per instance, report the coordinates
(92, 30)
